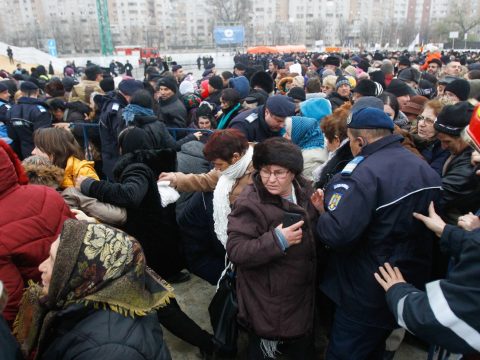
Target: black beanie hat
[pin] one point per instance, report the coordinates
(278, 151)
(168, 82)
(262, 80)
(404, 60)
(216, 82)
(399, 88)
(132, 139)
(366, 87)
(454, 118)
(459, 87)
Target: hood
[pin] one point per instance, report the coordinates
(157, 160)
(44, 174)
(11, 170)
(194, 148)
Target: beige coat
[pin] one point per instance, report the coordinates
(208, 182)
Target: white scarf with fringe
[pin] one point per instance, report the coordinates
(221, 194)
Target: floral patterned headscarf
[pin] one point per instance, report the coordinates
(96, 265)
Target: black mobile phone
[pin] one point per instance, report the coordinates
(291, 218)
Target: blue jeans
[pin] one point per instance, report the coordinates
(352, 340)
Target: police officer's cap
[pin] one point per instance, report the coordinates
(369, 118)
(3, 87)
(27, 86)
(280, 105)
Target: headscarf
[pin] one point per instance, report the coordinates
(306, 133)
(97, 266)
(129, 112)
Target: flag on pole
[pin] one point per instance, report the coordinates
(415, 41)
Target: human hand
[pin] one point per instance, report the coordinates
(80, 215)
(293, 233)
(389, 276)
(469, 222)
(78, 182)
(317, 199)
(63, 125)
(475, 160)
(169, 176)
(432, 221)
(198, 134)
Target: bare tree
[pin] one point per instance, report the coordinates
(316, 29)
(365, 33)
(461, 19)
(343, 30)
(78, 35)
(231, 11)
(293, 33)
(406, 34)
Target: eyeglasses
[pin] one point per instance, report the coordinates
(427, 120)
(278, 174)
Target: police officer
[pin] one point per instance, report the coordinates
(4, 107)
(23, 118)
(265, 121)
(111, 122)
(366, 220)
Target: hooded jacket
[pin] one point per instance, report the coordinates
(31, 218)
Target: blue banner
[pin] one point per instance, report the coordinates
(225, 35)
(52, 47)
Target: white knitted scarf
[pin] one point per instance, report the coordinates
(221, 194)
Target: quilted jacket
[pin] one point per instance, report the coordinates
(31, 218)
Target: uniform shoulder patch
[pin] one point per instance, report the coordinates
(41, 108)
(350, 167)
(252, 117)
(334, 200)
(115, 106)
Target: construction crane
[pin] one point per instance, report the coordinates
(104, 27)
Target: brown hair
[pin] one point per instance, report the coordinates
(336, 123)
(59, 144)
(224, 143)
(435, 105)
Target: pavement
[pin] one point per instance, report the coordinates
(194, 297)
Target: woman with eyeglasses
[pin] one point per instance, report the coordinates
(271, 244)
(425, 139)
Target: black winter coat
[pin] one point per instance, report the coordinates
(82, 333)
(23, 118)
(336, 164)
(136, 190)
(173, 112)
(461, 187)
(158, 133)
(336, 100)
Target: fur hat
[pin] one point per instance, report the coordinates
(454, 118)
(409, 74)
(459, 87)
(41, 171)
(278, 151)
(262, 80)
(332, 60)
(404, 60)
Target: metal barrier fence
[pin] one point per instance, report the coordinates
(86, 142)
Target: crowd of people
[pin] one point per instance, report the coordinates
(322, 180)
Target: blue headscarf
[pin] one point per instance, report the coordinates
(131, 110)
(306, 133)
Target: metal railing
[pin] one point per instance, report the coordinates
(173, 131)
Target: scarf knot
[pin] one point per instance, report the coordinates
(131, 110)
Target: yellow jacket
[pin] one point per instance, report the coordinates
(75, 168)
